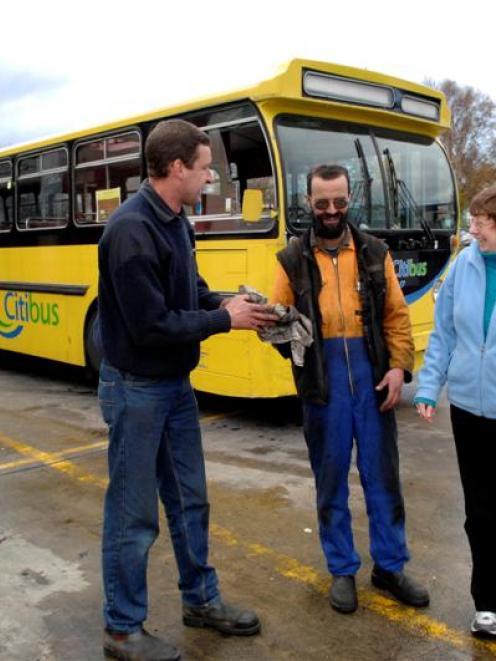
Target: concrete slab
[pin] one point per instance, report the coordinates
(264, 538)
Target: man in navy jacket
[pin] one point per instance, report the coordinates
(154, 310)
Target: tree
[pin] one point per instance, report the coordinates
(471, 141)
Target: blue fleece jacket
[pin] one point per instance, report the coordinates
(154, 308)
(458, 353)
(490, 262)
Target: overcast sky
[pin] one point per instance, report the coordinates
(67, 65)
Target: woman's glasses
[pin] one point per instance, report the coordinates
(479, 222)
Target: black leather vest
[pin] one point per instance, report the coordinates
(299, 262)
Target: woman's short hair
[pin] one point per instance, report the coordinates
(484, 203)
(169, 140)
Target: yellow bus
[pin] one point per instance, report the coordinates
(56, 194)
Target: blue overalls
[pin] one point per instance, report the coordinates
(352, 413)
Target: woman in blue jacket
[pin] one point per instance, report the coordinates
(462, 353)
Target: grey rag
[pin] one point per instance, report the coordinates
(292, 326)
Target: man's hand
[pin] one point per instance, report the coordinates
(248, 316)
(394, 382)
(426, 411)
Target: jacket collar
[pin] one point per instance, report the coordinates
(344, 242)
(161, 209)
(475, 256)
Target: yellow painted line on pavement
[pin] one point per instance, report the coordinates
(408, 618)
(59, 456)
(54, 460)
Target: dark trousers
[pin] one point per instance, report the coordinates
(475, 439)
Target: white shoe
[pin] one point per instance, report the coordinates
(484, 623)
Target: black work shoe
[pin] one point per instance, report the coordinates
(138, 646)
(401, 586)
(223, 617)
(343, 594)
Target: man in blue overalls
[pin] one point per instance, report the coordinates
(343, 280)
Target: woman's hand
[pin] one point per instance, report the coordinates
(426, 411)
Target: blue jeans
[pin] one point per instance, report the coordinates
(329, 433)
(154, 449)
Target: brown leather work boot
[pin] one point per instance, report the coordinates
(138, 646)
(223, 617)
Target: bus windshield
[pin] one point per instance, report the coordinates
(398, 181)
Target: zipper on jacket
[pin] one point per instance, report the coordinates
(346, 352)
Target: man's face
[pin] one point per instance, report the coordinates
(195, 178)
(329, 200)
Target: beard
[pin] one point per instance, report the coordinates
(326, 232)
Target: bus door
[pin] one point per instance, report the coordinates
(232, 251)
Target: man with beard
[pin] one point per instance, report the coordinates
(343, 280)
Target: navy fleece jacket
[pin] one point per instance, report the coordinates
(154, 307)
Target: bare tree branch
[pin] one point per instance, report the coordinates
(471, 142)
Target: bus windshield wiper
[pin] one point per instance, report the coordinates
(401, 195)
(367, 179)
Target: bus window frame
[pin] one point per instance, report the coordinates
(103, 162)
(67, 168)
(6, 180)
(250, 230)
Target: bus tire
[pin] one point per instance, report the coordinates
(92, 349)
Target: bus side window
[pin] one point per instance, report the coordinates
(86, 182)
(106, 164)
(126, 176)
(59, 205)
(240, 160)
(43, 191)
(5, 214)
(6, 196)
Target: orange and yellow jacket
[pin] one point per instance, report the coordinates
(340, 304)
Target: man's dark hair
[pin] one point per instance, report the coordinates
(170, 140)
(327, 172)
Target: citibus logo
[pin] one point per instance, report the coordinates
(19, 309)
(409, 268)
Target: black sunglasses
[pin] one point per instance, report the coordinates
(338, 202)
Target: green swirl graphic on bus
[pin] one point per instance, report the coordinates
(20, 309)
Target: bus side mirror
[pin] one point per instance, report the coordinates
(252, 205)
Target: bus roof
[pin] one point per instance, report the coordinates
(286, 83)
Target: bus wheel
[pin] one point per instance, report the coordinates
(92, 347)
